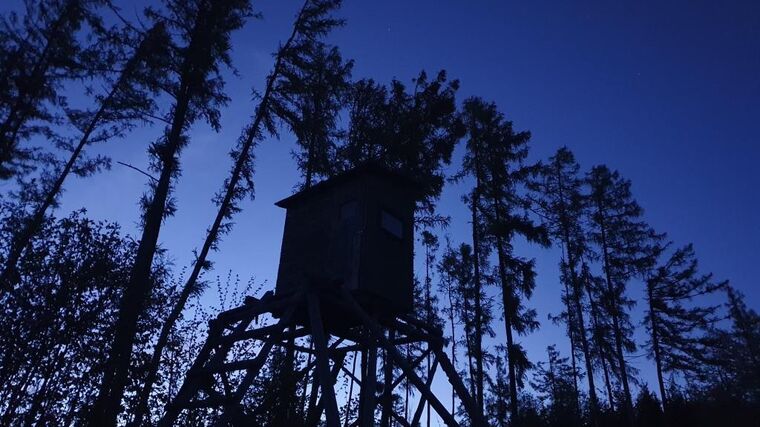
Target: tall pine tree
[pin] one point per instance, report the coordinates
(621, 239)
(561, 202)
(675, 324)
(497, 155)
(312, 91)
(409, 131)
(203, 28)
(140, 59)
(42, 51)
(313, 21)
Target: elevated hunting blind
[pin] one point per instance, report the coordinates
(355, 230)
(344, 290)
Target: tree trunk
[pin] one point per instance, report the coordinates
(628, 404)
(512, 375)
(478, 344)
(594, 401)
(571, 336)
(507, 302)
(656, 348)
(576, 300)
(213, 232)
(469, 343)
(387, 382)
(575, 297)
(108, 404)
(602, 358)
(453, 346)
(369, 380)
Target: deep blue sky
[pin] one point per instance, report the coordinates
(668, 93)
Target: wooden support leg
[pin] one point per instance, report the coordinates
(232, 406)
(288, 388)
(314, 394)
(350, 389)
(369, 381)
(387, 396)
(475, 415)
(313, 420)
(377, 331)
(306, 377)
(323, 361)
(421, 405)
(314, 391)
(193, 383)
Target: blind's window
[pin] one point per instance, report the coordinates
(392, 224)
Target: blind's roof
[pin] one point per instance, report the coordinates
(364, 169)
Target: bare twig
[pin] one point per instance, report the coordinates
(138, 170)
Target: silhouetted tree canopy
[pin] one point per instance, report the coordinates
(412, 131)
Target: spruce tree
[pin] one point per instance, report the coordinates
(312, 22)
(447, 286)
(473, 165)
(560, 199)
(675, 324)
(41, 51)
(621, 239)
(409, 131)
(496, 155)
(553, 381)
(458, 265)
(497, 408)
(734, 353)
(430, 299)
(312, 93)
(203, 30)
(128, 102)
(602, 341)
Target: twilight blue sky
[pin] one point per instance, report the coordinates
(667, 92)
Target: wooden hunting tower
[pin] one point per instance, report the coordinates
(344, 292)
(355, 230)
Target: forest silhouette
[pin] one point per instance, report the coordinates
(100, 328)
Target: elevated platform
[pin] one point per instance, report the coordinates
(219, 380)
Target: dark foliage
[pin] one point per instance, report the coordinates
(413, 132)
(57, 327)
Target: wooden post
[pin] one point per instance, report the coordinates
(454, 379)
(368, 337)
(313, 418)
(323, 361)
(377, 332)
(369, 382)
(387, 385)
(215, 342)
(350, 390)
(421, 404)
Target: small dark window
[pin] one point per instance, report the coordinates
(392, 224)
(349, 210)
